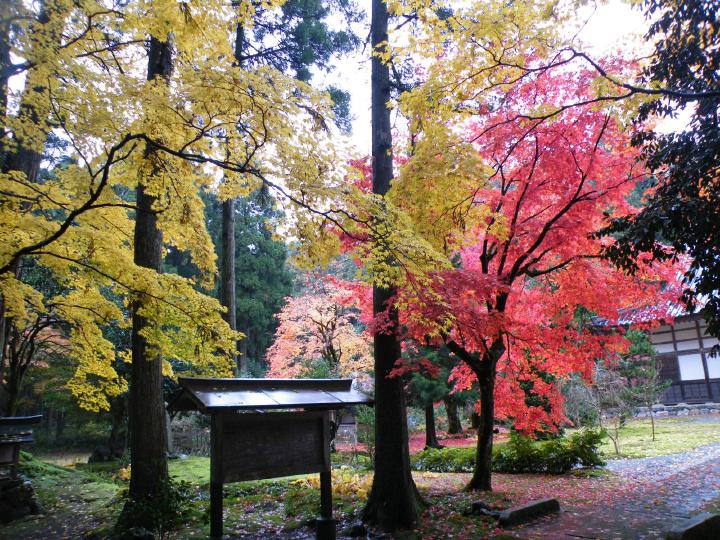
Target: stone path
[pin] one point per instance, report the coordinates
(658, 492)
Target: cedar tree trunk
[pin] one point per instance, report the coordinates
(394, 501)
(148, 436)
(118, 425)
(454, 424)
(431, 440)
(227, 274)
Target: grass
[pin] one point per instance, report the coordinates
(672, 436)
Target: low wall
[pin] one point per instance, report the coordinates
(680, 409)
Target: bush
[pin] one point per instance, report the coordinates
(519, 455)
(556, 456)
(585, 445)
(444, 460)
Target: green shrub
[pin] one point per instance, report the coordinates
(444, 460)
(556, 456)
(519, 455)
(585, 445)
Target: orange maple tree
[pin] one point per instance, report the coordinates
(322, 323)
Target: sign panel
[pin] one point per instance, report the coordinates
(257, 446)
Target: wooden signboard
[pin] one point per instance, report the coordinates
(257, 446)
(250, 442)
(268, 445)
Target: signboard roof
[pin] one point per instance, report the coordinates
(210, 395)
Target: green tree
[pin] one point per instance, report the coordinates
(262, 276)
(683, 210)
(427, 388)
(641, 371)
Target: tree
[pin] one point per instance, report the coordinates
(508, 310)
(430, 369)
(262, 277)
(148, 434)
(680, 215)
(36, 338)
(319, 325)
(641, 370)
(297, 37)
(393, 501)
(612, 399)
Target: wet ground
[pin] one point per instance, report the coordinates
(656, 494)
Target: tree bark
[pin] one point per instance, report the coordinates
(227, 276)
(454, 424)
(118, 427)
(227, 263)
(59, 425)
(394, 501)
(481, 478)
(148, 436)
(431, 440)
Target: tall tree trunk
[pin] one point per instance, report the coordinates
(481, 478)
(148, 437)
(431, 440)
(243, 351)
(59, 425)
(118, 425)
(394, 501)
(227, 263)
(451, 407)
(227, 275)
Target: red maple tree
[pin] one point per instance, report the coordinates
(516, 308)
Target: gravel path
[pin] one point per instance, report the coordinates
(661, 467)
(658, 493)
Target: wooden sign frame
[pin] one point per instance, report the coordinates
(254, 446)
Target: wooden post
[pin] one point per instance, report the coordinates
(326, 523)
(216, 477)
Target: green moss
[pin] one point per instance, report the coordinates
(195, 470)
(33, 468)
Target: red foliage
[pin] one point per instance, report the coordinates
(531, 275)
(534, 263)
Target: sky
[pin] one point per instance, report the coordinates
(612, 26)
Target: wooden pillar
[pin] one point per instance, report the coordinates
(216, 478)
(326, 523)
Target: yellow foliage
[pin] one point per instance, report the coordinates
(212, 126)
(345, 482)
